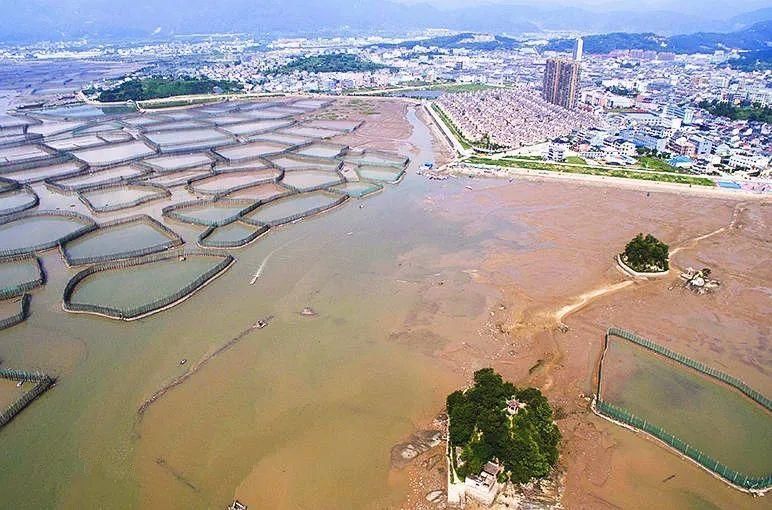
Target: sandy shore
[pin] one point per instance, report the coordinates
(552, 258)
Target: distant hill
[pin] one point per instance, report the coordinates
(466, 40)
(755, 37)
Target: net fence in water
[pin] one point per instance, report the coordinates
(22, 284)
(160, 303)
(621, 415)
(42, 383)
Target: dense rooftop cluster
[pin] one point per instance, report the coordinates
(511, 117)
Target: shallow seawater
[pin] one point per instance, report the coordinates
(380, 174)
(134, 286)
(307, 179)
(282, 208)
(15, 200)
(230, 233)
(210, 212)
(300, 414)
(120, 196)
(31, 231)
(357, 189)
(707, 414)
(110, 241)
(14, 273)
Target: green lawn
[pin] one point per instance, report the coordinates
(576, 160)
(654, 163)
(589, 170)
(453, 129)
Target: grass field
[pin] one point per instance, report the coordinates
(654, 163)
(705, 413)
(590, 170)
(576, 160)
(453, 129)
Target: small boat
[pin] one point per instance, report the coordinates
(183, 361)
(260, 324)
(19, 384)
(469, 188)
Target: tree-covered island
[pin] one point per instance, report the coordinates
(496, 421)
(646, 254)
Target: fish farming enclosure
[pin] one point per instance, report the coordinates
(706, 415)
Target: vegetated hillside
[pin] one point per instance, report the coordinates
(465, 40)
(160, 87)
(756, 60)
(330, 63)
(755, 37)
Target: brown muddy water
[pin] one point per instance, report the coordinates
(300, 414)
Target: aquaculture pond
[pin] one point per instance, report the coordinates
(375, 159)
(208, 212)
(287, 162)
(310, 132)
(293, 207)
(230, 181)
(134, 287)
(84, 111)
(175, 162)
(321, 150)
(306, 180)
(114, 154)
(118, 241)
(100, 178)
(121, 197)
(254, 127)
(705, 413)
(22, 154)
(16, 201)
(231, 235)
(38, 174)
(380, 173)
(38, 232)
(251, 151)
(15, 274)
(357, 188)
(260, 192)
(172, 179)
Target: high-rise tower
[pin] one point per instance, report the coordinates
(578, 48)
(561, 82)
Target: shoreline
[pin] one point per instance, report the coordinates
(460, 169)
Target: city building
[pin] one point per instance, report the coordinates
(578, 47)
(556, 151)
(561, 82)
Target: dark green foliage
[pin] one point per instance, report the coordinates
(755, 60)
(330, 63)
(622, 91)
(646, 254)
(754, 37)
(526, 444)
(160, 87)
(751, 112)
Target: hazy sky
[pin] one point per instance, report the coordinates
(669, 5)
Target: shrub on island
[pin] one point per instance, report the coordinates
(494, 420)
(646, 254)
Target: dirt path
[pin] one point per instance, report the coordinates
(556, 318)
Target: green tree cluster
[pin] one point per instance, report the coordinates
(330, 63)
(646, 254)
(526, 444)
(161, 87)
(750, 112)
